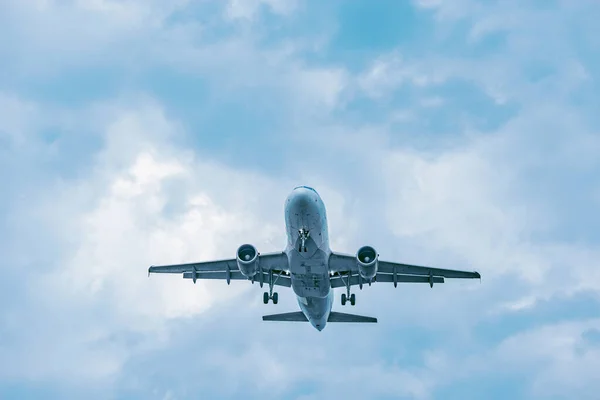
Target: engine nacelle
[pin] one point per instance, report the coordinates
(247, 260)
(366, 257)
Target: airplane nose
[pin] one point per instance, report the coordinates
(300, 198)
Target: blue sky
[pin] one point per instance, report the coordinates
(461, 134)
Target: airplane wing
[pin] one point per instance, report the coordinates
(345, 270)
(271, 264)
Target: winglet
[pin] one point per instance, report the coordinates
(149, 271)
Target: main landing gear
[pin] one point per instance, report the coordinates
(347, 296)
(270, 295)
(304, 234)
(267, 297)
(352, 299)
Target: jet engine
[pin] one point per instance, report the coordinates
(366, 257)
(247, 260)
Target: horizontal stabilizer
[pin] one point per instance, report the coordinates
(343, 317)
(297, 316)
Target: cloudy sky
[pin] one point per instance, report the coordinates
(462, 134)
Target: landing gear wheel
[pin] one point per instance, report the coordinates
(265, 297)
(343, 299)
(275, 298)
(352, 299)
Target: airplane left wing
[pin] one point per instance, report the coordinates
(345, 268)
(271, 265)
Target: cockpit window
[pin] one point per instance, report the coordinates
(305, 187)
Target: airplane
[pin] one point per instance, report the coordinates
(310, 267)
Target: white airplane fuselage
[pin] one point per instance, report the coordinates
(308, 254)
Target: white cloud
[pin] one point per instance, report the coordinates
(15, 124)
(463, 204)
(391, 71)
(131, 38)
(146, 198)
(432, 102)
(557, 359)
(95, 305)
(445, 9)
(247, 9)
(121, 230)
(529, 39)
(561, 362)
(319, 87)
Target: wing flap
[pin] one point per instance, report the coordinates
(389, 267)
(342, 263)
(269, 261)
(237, 275)
(208, 266)
(233, 275)
(339, 281)
(408, 278)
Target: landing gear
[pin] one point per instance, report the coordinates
(347, 296)
(267, 297)
(270, 295)
(304, 234)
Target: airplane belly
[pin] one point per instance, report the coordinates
(316, 309)
(310, 285)
(310, 277)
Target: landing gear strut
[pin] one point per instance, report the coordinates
(347, 296)
(270, 295)
(304, 235)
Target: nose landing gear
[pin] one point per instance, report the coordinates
(304, 234)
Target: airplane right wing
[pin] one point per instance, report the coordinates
(346, 273)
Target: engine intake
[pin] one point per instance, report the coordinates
(366, 258)
(247, 260)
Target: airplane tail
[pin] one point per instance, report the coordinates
(299, 316)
